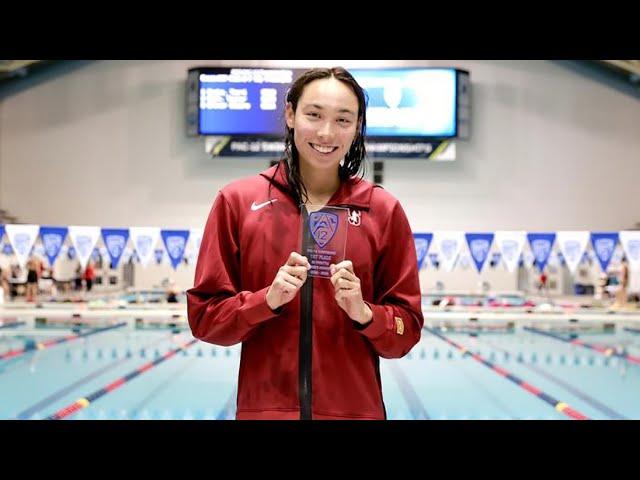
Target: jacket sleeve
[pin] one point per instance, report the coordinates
(397, 311)
(219, 311)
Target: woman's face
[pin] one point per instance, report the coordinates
(325, 122)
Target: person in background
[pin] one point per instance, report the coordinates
(4, 284)
(33, 275)
(89, 275)
(172, 292)
(623, 284)
(77, 281)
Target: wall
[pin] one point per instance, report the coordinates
(104, 144)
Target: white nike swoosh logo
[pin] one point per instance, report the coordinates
(255, 207)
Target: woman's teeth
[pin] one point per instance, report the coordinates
(323, 149)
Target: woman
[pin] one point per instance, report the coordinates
(310, 345)
(89, 275)
(623, 284)
(32, 280)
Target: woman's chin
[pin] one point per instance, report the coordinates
(318, 160)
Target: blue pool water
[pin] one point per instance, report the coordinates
(434, 381)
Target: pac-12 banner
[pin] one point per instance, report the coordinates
(573, 244)
(541, 245)
(510, 244)
(53, 238)
(479, 247)
(448, 244)
(22, 239)
(175, 242)
(604, 243)
(630, 240)
(252, 146)
(144, 241)
(422, 242)
(115, 241)
(84, 240)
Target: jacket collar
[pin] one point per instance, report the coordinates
(353, 192)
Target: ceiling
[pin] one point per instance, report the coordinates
(627, 71)
(17, 68)
(627, 68)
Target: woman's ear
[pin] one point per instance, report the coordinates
(289, 115)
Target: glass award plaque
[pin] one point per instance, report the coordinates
(324, 237)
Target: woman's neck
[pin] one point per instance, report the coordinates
(320, 184)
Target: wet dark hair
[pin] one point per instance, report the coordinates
(354, 159)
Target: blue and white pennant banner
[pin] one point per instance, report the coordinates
(573, 245)
(422, 242)
(604, 244)
(22, 239)
(448, 244)
(144, 241)
(510, 244)
(479, 247)
(84, 240)
(630, 241)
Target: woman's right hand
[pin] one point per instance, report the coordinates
(291, 276)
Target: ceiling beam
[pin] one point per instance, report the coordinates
(7, 66)
(630, 66)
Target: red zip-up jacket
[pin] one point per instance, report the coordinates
(307, 359)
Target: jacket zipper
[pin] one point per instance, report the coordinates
(305, 344)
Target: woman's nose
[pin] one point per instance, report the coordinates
(326, 130)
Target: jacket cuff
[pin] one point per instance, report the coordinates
(256, 309)
(378, 324)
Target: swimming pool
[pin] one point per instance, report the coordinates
(130, 373)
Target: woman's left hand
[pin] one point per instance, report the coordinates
(348, 292)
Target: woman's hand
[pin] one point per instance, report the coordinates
(290, 277)
(348, 293)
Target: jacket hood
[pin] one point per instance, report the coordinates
(353, 192)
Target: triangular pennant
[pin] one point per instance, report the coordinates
(195, 239)
(479, 247)
(630, 240)
(53, 238)
(604, 243)
(448, 244)
(22, 238)
(175, 242)
(541, 245)
(510, 244)
(84, 239)
(144, 240)
(422, 242)
(115, 241)
(573, 244)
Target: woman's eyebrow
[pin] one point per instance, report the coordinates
(320, 107)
